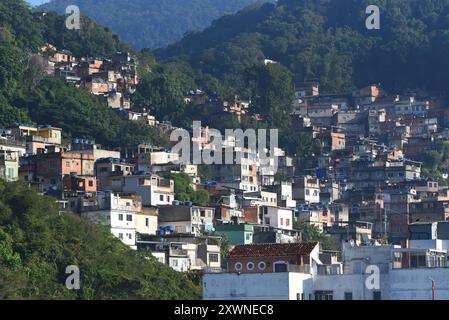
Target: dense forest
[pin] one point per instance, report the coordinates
(37, 243)
(325, 40)
(152, 23)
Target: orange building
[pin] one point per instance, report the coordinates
(73, 183)
(50, 170)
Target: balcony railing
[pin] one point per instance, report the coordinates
(300, 269)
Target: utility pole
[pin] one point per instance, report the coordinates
(433, 288)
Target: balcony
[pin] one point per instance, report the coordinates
(178, 253)
(299, 269)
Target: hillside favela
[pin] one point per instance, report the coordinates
(224, 150)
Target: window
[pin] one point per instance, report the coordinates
(287, 222)
(250, 266)
(262, 265)
(357, 268)
(238, 266)
(213, 257)
(282, 221)
(91, 183)
(248, 236)
(129, 217)
(67, 164)
(161, 197)
(147, 222)
(324, 295)
(120, 236)
(377, 295)
(348, 295)
(120, 217)
(280, 267)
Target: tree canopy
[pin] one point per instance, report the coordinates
(27, 94)
(152, 23)
(37, 243)
(325, 40)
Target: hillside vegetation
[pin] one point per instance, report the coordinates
(325, 40)
(37, 243)
(28, 95)
(152, 23)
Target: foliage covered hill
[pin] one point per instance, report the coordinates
(152, 23)
(37, 244)
(28, 95)
(325, 40)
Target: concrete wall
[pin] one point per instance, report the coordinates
(141, 226)
(279, 218)
(416, 284)
(354, 283)
(266, 286)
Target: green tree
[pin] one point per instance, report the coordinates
(312, 233)
(272, 93)
(37, 243)
(184, 190)
(162, 95)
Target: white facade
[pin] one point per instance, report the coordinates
(276, 217)
(370, 273)
(256, 286)
(150, 189)
(121, 222)
(147, 160)
(146, 224)
(120, 217)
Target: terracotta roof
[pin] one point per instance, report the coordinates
(272, 249)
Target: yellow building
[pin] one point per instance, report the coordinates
(48, 134)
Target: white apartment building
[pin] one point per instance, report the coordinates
(119, 213)
(146, 161)
(243, 175)
(186, 219)
(378, 272)
(306, 190)
(276, 217)
(154, 190)
(184, 256)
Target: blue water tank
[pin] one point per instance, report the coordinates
(171, 228)
(175, 203)
(188, 203)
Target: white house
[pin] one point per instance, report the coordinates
(117, 212)
(154, 190)
(277, 217)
